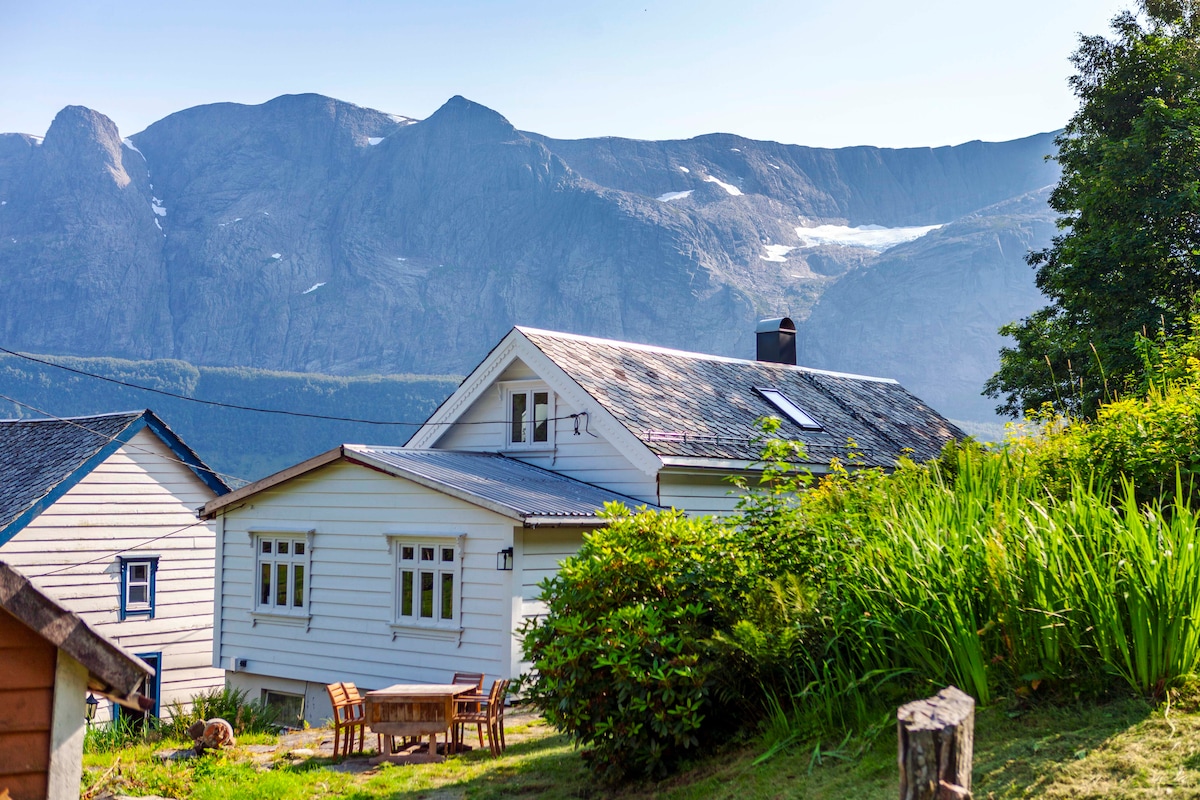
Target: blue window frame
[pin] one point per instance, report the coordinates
(150, 687)
(139, 574)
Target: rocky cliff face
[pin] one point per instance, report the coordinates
(311, 234)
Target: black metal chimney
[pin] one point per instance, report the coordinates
(777, 341)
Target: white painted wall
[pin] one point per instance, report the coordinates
(348, 635)
(697, 493)
(140, 500)
(588, 457)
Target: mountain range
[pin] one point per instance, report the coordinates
(312, 235)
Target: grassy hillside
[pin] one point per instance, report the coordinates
(243, 444)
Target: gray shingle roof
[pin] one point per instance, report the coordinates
(497, 481)
(37, 455)
(694, 405)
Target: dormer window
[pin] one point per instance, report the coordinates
(529, 418)
(792, 411)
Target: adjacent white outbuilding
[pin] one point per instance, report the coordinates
(99, 513)
(388, 565)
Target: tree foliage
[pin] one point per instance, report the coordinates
(1128, 258)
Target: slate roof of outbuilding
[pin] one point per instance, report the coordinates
(496, 480)
(694, 405)
(38, 454)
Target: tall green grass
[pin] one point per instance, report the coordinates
(979, 578)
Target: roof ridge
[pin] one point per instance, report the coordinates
(670, 351)
(108, 415)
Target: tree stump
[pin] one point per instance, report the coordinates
(937, 739)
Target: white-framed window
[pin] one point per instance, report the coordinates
(529, 420)
(428, 590)
(282, 574)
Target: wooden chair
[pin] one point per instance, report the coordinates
(348, 714)
(354, 697)
(465, 703)
(491, 716)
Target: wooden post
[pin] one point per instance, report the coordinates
(937, 739)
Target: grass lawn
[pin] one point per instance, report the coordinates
(1120, 749)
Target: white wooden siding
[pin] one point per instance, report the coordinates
(140, 500)
(539, 551)
(348, 635)
(698, 494)
(587, 457)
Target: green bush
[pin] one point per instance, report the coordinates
(623, 659)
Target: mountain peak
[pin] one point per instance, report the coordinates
(87, 138)
(472, 119)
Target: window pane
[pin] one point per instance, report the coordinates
(281, 585)
(447, 595)
(427, 554)
(299, 549)
(427, 595)
(266, 545)
(406, 593)
(407, 552)
(519, 411)
(264, 590)
(138, 595)
(282, 549)
(541, 417)
(298, 586)
(137, 572)
(447, 554)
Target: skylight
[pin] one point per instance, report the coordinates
(792, 411)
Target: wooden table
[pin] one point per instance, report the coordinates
(413, 710)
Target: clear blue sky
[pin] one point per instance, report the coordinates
(811, 72)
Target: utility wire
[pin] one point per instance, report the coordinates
(237, 407)
(109, 554)
(108, 439)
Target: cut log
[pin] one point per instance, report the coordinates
(936, 740)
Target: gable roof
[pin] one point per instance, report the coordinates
(686, 408)
(41, 459)
(511, 488)
(112, 671)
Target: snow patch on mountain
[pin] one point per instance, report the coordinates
(871, 237)
(729, 187)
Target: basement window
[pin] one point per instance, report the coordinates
(792, 411)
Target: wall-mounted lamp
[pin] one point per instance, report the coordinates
(89, 711)
(504, 559)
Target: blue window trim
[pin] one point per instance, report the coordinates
(125, 561)
(153, 687)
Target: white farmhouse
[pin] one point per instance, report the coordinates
(99, 513)
(384, 565)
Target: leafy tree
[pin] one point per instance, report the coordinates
(1128, 259)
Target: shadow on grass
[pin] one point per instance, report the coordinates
(546, 767)
(1018, 756)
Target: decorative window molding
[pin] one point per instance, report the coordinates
(529, 415)
(139, 578)
(427, 584)
(282, 575)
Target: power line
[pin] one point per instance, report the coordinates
(109, 554)
(255, 409)
(108, 439)
(177, 396)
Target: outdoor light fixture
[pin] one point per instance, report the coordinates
(89, 713)
(504, 559)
